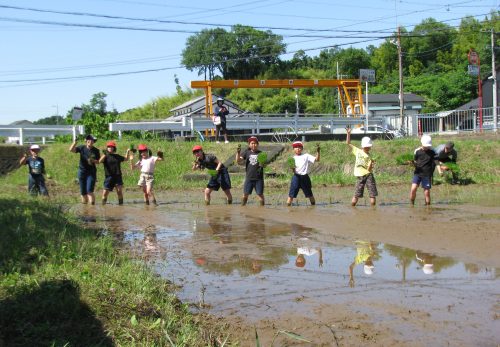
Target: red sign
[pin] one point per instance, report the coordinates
(473, 57)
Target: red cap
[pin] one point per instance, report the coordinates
(197, 148)
(142, 147)
(297, 144)
(111, 144)
(253, 139)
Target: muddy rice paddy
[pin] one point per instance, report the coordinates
(334, 275)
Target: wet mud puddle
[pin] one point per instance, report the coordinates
(262, 272)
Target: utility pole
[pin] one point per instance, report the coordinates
(494, 76)
(401, 94)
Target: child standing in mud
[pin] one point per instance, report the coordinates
(112, 172)
(424, 161)
(254, 178)
(363, 168)
(87, 171)
(219, 176)
(36, 170)
(300, 178)
(147, 166)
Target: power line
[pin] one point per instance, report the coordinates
(55, 79)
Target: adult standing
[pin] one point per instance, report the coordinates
(219, 119)
(87, 172)
(446, 153)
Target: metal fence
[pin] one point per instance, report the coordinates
(254, 124)
(39, 133)
(456, 121)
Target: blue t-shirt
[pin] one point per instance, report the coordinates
(36, 166)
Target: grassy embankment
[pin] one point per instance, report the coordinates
(479, 161)
(62, 284)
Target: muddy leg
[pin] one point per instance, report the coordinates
(119, 193)
(229, 196)
(105, 194)
(413, 193)
(261, 200)
(244, 200)
(427, 195)
(207, 196)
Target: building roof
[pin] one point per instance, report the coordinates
(188, 103)
(474, 103)
(394, 98)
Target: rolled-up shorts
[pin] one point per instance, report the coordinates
(369, 182)
(426, 182)
(300, 182)
(250, 185)
(145, 179)
(222, 180)
(87, 182)
(110, 182)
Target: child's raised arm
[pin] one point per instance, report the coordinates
(348, 136)
(238, 157)
(23, 159)
(72, 148)
(159, 154)
(318, 151)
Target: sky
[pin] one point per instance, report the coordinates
(56, 54)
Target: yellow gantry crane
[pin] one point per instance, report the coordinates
(350, 90)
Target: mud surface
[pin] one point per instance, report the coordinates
(334, 275)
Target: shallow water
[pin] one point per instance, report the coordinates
(264, 264)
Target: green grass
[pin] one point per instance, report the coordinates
(63, 284)
(403, 159)
(478, 160)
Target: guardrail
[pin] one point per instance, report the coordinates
(456, 121)
(253, 124)
(41, 131)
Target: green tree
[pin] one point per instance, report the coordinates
(242, 53)
(96, 117)
(52, 120)
(204, 52)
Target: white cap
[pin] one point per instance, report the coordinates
(426, 141)
(368, 269)
(34, 147)
(366, 142)
(428, 269)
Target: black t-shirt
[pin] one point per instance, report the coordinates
(208, 161)
(254, 170)
(221, 111)
(85, 154)
(424, 162)
(36, 166)
(112, 164)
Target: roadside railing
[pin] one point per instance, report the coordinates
(32, 132)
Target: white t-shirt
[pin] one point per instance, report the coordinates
(307, 251)
(303, 163)
(147, 165)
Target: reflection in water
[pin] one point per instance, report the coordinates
(366, 254)
(427, 262)
(307, 249)
(231, 241)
